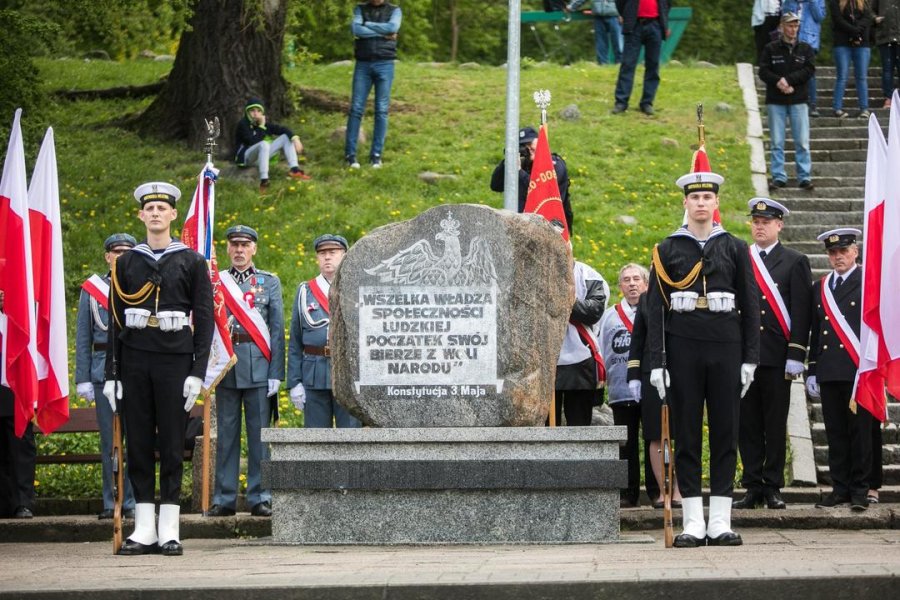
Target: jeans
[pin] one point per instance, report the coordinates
(860, 57)
(257, 409)
(799, 116)
(380, 74)
(608, 30)
(105, 425)
(890, 62)
(648, 35)
(260, 153)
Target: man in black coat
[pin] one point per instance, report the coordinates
(156, 361)
(703, 281)
(833, 362)
(785, 281)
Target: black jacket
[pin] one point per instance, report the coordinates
(628, 9)
(248, 133)
(375, 48)
(795, 63)
(828, 359)
(791, 273)
(498, 179)
(850, 27)
(888, 31)
(636, 363)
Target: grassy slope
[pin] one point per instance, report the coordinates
(451, 121)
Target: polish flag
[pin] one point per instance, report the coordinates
(543, 189)
(49, 290)
(700, 164)
(889, 309)
(18, 370)
(868, 390)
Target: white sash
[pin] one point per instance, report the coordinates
(840, 322)
(770, 289)
(97, 289)
(248, 317)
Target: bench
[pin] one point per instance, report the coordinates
(679, 17)
(84, 420)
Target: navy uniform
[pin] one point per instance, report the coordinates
(158, 360)
(252, 383)
(830, 376)
(709, 297)
(309, 355)
(764, 410)
(90, 363)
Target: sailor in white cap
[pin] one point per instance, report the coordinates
(703, 309)
(833, 362)
(785, 283)
(156, 361)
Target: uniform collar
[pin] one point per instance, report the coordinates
(242, 276)
(174, 246)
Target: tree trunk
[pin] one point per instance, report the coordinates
(454, 32)
(231, 52)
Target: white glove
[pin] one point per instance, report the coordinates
(274, 384)
(298, 396)
(812, 388)
(659, 378)
(113, 391)
(85, 390)
(793, 368)
(192, 386)
(747, 371)
(635, 386)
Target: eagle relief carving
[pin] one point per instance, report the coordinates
(420, 265)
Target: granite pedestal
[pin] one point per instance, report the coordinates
(471, 485)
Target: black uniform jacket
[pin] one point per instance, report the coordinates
(828, 359)
(726, 268)
(791, 273)
(636, 362)
(183, 279)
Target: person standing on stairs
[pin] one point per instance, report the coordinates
(811, 13)
(887, 38)
(786, 66)
(851, 21)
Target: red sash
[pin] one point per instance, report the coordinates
(770, 292)
(318, 294)
(98, 290)
(248, 317)
(629, 325)
(589, 341)
(841, 327)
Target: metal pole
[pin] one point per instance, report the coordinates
(511, 174)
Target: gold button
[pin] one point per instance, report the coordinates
(825, 332)
(764, 297)
(853, 304)
(826, 317)
(760, 327)
(825, 347)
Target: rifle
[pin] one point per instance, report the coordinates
(666, 450)
(117, 455)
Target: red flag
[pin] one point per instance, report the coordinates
(19, 365)
(543, 190)
(49, 290)
(198, 235)
(889, 309)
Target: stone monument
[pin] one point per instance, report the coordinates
(445, 331)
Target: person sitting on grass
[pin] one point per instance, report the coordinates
(256, 141)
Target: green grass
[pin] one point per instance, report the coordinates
(447, 120)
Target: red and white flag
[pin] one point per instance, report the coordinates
(543, 189)
(49, 290)
(868, 390)
(889, 309)
(19, 365)
(198, 235)
(700, 164)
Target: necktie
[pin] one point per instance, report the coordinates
(762, 254)
(838, 282)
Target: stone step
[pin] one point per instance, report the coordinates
(846, 194)
(826, 120)
(833, 169)
(889, 435)
(818, 262)
(824, 155)
(891, 474)
(890, 455)
(804, 246)
(806, 218)
(820, 273)
(857, 131)
(809, 232)
(893, 411)
(823, 144)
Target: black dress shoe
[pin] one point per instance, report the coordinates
(686, 540)
(831, 500)
(23, 512)
(859, 503)
(172, 548)
(220, 511)
(774, 500)
(729, 538)
(659, 504)
(132, 548)
(128, 513)
(751, 499)
(263, 509)
(106, 513)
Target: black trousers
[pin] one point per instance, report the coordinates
(704, 373)
(577, 405)
(762, 34)
(629, 415)
(154, 416)
(876, 475)
(849, 440)
(763, 429)
(17, 460)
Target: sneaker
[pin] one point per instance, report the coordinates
(864, 114)
(619, 108)
(647, 109)
(814, 112)
(351, 162)
(887, 103)
(807, 185)
(375, 162)
(776, 184)
(263, 185)
(297, 173)
(841, 114)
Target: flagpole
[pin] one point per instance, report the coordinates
(542, 99)
(511, 172)
(701, 131)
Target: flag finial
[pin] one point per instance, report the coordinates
(213, 130)
(542, 99)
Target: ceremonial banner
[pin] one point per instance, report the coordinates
(543, 189)
(49, 290)
(19, 366)
(198, 235)
(889, 309)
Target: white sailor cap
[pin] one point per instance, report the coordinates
(839, 238)
(702, 181)
(766, 207)
(157, 190)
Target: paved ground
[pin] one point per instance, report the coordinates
(779, 563)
